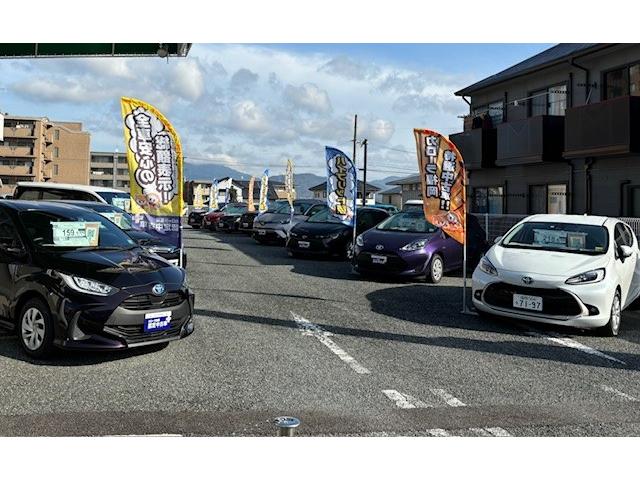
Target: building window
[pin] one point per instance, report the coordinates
(548, 198)
(55, 169)
(622, 81)
(488, 200)
(56, 134)
(549, 101)
(56, 152)
(495, 110)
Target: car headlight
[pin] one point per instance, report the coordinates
(487, 267)
(359, 241)
(85, 285)
(334, 236)
(592, 276)
(293, 234)
(417, 245)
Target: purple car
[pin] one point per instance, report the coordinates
(408, 245)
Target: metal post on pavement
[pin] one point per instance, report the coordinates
(355, 167)
(286, 426)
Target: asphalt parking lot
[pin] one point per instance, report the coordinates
(347, 356)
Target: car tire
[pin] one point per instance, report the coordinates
(35, 328)
(612, 327)
(184, 260)
(435, 270)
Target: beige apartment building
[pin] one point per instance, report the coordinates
(110, 169)
(41, 150)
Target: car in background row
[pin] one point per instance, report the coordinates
(211, 219)
(574, 270)
(407, 245)
(412, 205)
(247, 218)
(195, 217)
(65, 191)
(274, 227)
(230, 221)
(387, 207)
(324, 233)
(148, 241)
(111, 296)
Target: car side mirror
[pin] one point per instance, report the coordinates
(625, 251)
(497, 239)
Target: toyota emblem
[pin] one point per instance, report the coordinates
(527, 280)
(158, 289)
(379, 247)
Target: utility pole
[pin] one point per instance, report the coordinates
(364, 176)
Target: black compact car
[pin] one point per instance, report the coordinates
(122, 219)
(324, 234)
(70, 278)
(195, 217)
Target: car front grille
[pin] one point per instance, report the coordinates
(554, 300)
(146, 302)
(136, 333)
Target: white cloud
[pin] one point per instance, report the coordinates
(348, 68)
(247, 117)
(186, 80)
(308, 97)
(244, 78)
(59, 91)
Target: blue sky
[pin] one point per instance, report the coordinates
(253, 106)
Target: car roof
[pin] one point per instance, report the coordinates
(97, 206)
(26, 205)
(413, 202)
(69, 186)
(560, 218)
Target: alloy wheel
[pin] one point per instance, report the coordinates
(349, 251)
(436, 269)
(33, 328)
(615, 314)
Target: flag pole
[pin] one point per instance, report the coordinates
(465, 308)
(355, 167)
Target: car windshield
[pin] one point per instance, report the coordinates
(411, 222)
(411, 207)
(119, 199)
(324, 216)
(235, 209)
(74, 230)
(559, 237)
(121, 218)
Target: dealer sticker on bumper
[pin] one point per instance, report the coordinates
(303, 244)
(381, 259)
(156, 322)
(245, 224)
(262, 232)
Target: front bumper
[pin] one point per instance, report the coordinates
(271, 232)
(316, 246)
(124, 327)
(581, 306)
(409, 264)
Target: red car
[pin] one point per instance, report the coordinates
(211, 219)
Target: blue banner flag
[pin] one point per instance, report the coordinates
(342, 187)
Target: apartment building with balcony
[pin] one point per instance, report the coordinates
(557, 133)
(41, 150)
(109, 169)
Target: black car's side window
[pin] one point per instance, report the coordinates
(8, 235)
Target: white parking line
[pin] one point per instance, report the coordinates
(498, 432)
(447, 397)
(405, 401)
(310, 328)
(571, 343)
(481, 432)
(617, 392)
(438, 432)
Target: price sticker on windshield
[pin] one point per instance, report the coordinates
(116, 218)
(123, 203)
(75, 234)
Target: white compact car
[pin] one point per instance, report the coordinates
(580, 271)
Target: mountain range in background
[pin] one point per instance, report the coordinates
(304, 181)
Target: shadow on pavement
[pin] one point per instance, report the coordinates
(513, 348)
(10, 348)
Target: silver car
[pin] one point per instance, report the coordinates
(274, 226)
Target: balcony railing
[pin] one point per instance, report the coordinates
(16, 170)
(13, 132)
(611, 127)
(15, 151)
(478, 147)
(530, 140)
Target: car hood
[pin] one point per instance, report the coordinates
(146, 239)
(393, 240)
(312, 228)
(278, 218)
(527, 261)
(118, 268)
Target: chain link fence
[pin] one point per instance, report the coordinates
(496, 225)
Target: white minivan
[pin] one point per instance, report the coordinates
(574, 270)
(69, 191)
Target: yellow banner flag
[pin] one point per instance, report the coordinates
(288, 183)
(198, 198)
(154, 154)
(442, 175)
(250, 206)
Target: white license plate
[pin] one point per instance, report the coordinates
(381, 259)
(155, 322)
(245, 224)
(528, 302)
(221, 224)
(262, 232)
(303, 244)
(174, 261)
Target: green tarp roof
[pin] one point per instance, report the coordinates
(33, 50)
